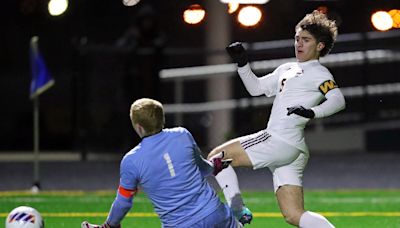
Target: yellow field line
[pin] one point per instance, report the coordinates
(256, 214)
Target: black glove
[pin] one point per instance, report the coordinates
(301, 111)
(238, 54)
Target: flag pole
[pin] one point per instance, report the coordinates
(41, 81)
(36, 177)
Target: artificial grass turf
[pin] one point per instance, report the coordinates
(344, 208)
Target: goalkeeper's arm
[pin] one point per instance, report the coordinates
(206, 168)
(212, 166)
(121, 205)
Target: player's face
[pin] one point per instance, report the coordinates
(306, 46)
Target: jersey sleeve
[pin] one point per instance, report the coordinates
(324, 81)
(334, 103)
(326, 86)
(129, 176)
(259, 85)
(119, 208)
(334, 99)
(127, 188)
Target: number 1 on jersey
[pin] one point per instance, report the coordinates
(169, 164)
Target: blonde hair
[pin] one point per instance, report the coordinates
(149, 114)
(323, 29)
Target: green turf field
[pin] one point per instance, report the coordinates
(363, 208)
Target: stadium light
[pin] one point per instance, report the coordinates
(232, 7)
(194, 14)
(57, 7)
(249, 16)
(130, 2)
(245, 1)
(395, 14)
(382, 20)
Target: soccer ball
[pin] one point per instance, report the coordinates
(24, 217)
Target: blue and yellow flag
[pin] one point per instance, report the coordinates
(41, 78)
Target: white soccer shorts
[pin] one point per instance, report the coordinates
(286, 162)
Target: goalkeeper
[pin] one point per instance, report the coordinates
(303, 90)
(169, 168)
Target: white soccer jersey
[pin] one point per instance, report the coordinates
(293, 84)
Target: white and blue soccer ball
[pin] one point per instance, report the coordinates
(24, 217)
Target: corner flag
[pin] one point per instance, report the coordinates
(41, 78)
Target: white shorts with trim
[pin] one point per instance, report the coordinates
(286, 162)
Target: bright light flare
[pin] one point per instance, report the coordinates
(249, 16)
(382, 20)
(194, 14)
(57, 7)
(130, 2)
(245, 1)
(232, 7)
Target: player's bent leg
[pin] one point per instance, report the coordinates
(291, 203)
(232, 150)
(227, 178)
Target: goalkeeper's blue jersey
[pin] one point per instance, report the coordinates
(164, 167)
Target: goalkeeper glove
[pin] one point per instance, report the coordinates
(85, 224)
(219, 163)
(301, 111)
(238, 54)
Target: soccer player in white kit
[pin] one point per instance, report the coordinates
(303, 90)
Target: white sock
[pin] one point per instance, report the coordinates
(311, 220)
(229, 184)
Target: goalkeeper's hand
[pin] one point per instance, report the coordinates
(85, 224)
(301, 111)
(219, 163)
(238, 54)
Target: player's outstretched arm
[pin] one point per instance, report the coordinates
(86, 224)
(121, 205)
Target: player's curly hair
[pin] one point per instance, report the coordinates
(323, 29)
(149, 114)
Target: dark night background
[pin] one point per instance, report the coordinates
(100, 65)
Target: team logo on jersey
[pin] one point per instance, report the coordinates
(326, 86)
